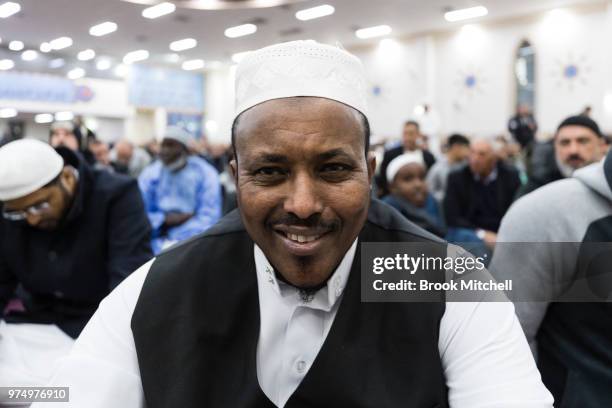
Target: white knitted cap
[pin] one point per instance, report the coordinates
(300, 68)
(26, 165)
(400, 161)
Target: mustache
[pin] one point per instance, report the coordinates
(575, 157)
(315, 221)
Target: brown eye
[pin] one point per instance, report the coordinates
(335, 167)
(269, 171)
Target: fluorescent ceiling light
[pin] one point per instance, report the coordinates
(135, 56)
(16, 45)
(239, 56)
(241, 30)
(29, 55)
(372, 32)
(8, 9)
(103, 64)
(315, 12)
(193, 64)
(465, 14)
(86, 55)
(8, 113)
(64, 116)
(104, 28)
(61, 43)
(6, 64)
(76, 73)
(182, 45)
(57, 63)
(121, 70)
(46, 47)
(159, 10)
(43, 118)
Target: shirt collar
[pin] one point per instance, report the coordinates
(489, 179)
(324, 299)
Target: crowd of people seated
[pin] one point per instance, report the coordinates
(92, 213)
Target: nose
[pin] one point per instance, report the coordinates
(304, 199)
(574, 148)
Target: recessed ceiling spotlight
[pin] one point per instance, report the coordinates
(16, 45)
(104, 28)
(61, 43)
(193, 64)
(315, 12)
(372, 32)
(135, 56)
(465, 14)
(8, 9)
(86, 55)
(184, 44)
(158, 10)
(240, 31)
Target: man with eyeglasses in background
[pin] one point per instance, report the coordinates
(68, 235)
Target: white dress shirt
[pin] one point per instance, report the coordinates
(485, 357)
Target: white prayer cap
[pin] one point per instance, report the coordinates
(26, 165)
(300, 68)
(68, 126)
(400, 161)
(179, 134)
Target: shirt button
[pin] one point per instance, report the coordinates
(58, 294)
(52, 256)
(300, 366)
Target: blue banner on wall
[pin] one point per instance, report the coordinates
(165, 88)
(35, 87)
(190, 122)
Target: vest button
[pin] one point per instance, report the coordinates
(52, 256)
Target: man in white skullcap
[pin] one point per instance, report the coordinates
(264, 309)
(182, 192)
(409, 193)
(68, 235)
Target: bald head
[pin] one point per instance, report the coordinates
(483, 157)
(124, 150)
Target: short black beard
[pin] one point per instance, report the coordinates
(306, 294)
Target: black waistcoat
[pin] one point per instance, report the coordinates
(196, 327)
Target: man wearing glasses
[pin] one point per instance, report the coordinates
(68, 235)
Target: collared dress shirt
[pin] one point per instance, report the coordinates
(486, 359)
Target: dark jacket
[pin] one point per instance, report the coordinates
(428, 217)
(542, 168)
(392, 154)
(64, 274)
(523, 129)
(463, 198)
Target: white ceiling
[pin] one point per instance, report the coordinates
(44, 20)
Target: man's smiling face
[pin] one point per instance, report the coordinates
(303, 183)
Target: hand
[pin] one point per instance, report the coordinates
(175, 219)
(490, 238)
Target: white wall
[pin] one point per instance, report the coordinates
(219, 104)
(432, 68)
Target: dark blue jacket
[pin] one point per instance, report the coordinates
(64, 274)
